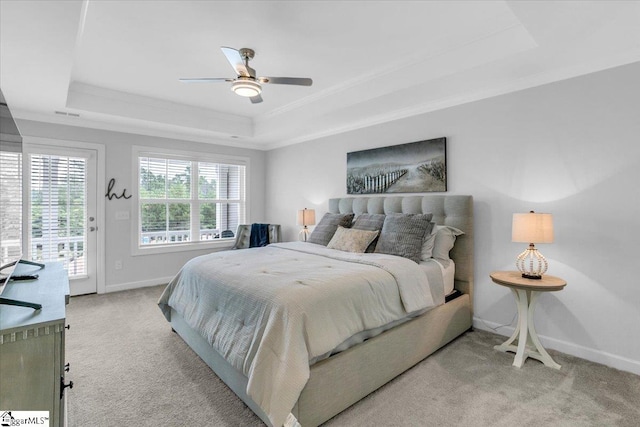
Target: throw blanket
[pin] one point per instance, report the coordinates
(259, 235)
(269, 310)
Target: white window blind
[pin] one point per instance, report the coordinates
(188, 201)
(58, 211)
(10, 205)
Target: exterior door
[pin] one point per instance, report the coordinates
(61, 219)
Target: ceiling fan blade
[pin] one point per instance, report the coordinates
(256, 99)
(206, 80)
(236, 61)
(298, 81)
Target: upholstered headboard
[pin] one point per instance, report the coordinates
(454, 210)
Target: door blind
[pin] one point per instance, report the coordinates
(58, 211)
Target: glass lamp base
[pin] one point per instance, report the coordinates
(531, 263)
(304, 233)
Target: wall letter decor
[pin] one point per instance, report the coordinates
(110, 195)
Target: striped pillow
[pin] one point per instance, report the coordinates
(371, 222)
(403, 235)
(326, 228)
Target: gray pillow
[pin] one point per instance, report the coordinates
(403, 235)
(327, 227)
(369, 222)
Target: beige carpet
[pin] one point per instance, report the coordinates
(128, 368)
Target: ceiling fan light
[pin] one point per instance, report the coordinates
(247, 88)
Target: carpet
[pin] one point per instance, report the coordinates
(129, 368)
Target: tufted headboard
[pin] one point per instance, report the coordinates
(456, 211)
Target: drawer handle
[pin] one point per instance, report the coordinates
(63, 386)
(68, 327)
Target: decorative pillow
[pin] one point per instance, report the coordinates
(350, 240)
(403, 235)
(327, 227)
(371, 222)
(444, 238)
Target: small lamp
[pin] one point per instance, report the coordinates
(532, 228)
(306, 217)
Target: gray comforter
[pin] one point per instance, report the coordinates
(270, 310)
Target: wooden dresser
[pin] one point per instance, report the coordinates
(32, 358)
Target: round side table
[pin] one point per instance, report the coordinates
(526, 293)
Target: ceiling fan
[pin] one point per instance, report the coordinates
(246, 83)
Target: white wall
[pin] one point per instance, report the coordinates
(143, 270)
(570, 148)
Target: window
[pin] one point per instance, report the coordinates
(10, 205)
(187, 201)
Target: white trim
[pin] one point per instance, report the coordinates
(160, 130)
(220, 245)
(139, 284)
(593, 355)
(189, 155)
(140, 150)
(28, 141)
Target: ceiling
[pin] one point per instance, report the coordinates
(115, 65)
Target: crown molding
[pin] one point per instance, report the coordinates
(135, 128)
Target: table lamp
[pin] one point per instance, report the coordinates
(306, 217)
(532, 228)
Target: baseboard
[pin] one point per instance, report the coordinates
(140, 284)
(593, 355)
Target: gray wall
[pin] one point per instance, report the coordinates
(143, 270)
(570, 148)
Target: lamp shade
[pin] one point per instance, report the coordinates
(306, 217)
(532, 227)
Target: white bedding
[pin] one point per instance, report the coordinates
(446, 269)
(270, 311)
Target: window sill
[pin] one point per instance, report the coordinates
(183, 247)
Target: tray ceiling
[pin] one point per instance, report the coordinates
(115, 65)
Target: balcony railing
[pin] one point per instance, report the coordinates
(69, 250)
(183, 236)
(9, 250)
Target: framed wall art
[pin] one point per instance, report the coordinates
(415, 167)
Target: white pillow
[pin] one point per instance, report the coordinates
(352, 240)
(440, 242)
(428, 242)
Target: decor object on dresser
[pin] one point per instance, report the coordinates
(526, 292)
(532, 228)
(306, 217)
(415, 167)
(321, 327)
(7, 275)
(32, 354)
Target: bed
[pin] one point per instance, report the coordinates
(338, 379)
